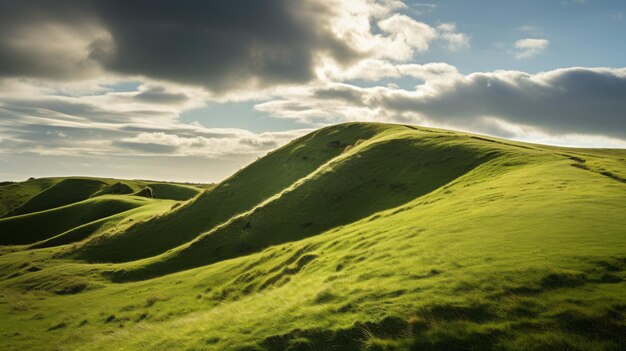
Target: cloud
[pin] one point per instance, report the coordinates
(573, 101)
(159, 95)
(526, 48)
(560, 104)
(407, 35)
(219, 46)
(54, 136)
(376, 70)
(141, 122)
(453, 40)
(48, 39)
(231, 142)
(420, 9)
(530, 29)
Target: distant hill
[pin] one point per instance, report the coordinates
(360, 236)
(63, 207)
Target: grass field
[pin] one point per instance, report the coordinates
(355, 237)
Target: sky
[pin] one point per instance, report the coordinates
(194, 90)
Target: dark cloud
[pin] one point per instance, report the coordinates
(46, 39)
(346, 93)
(150, 148)
(267, 144)
(575, 100)
(159, 95)
(586, 101)
(185, 132)
(590, 101)
(220, 45)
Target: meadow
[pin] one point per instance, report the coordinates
(359, 236)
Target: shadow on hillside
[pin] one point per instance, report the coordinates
(382, 176)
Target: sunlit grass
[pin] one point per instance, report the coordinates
(518, 247)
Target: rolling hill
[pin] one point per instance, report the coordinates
(359, 236)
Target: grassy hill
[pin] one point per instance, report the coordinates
(13, 194)
(239, 193)
(355, 237)
(56, 211)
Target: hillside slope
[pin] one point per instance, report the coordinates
(386, 237)
(237, 194)
(351, 186)
(13, 194)
(65, 192)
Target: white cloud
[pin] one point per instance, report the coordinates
(406, 35)
(35, 119)
(420, 9)
(378, 31)
(530, 29)
(453, 40)
(400, 40)
(224, 142)
(526, 48)
(376, 69)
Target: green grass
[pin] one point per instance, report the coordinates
(33, 227)
(14, 194)
(420, 240)
(142, 210)
(117, 188)
(177, 192)
(46, 193)
(343, 193)
(66, 191)
(57, 211)
(237, 194)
